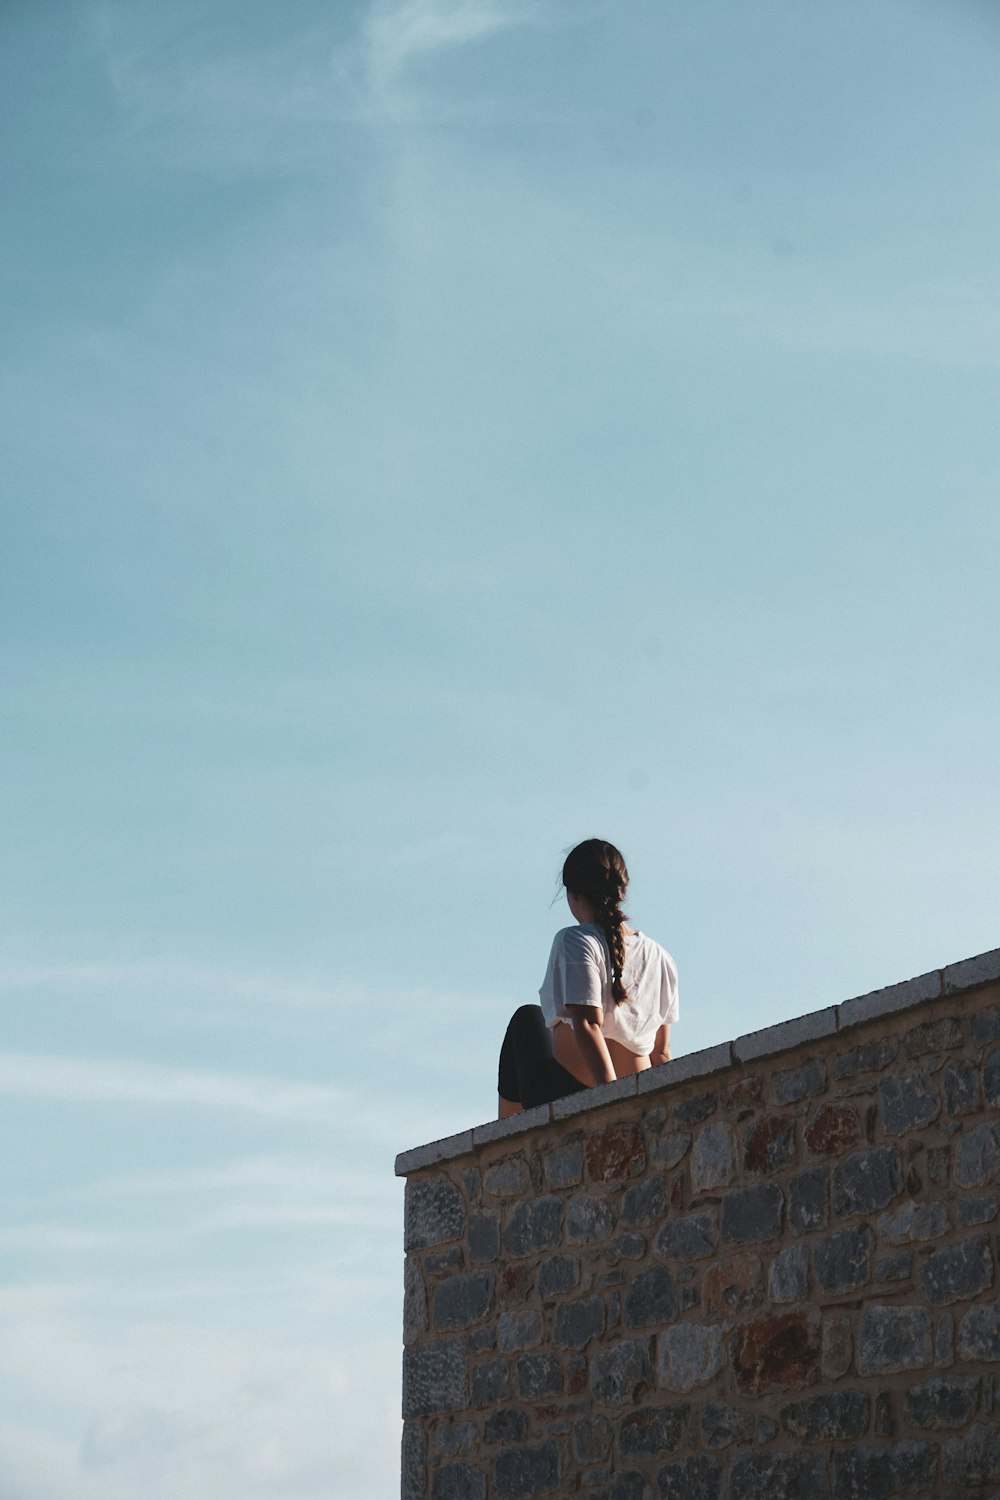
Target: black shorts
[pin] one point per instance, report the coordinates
(529, 1074)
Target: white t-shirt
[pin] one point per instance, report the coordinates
(579, 973)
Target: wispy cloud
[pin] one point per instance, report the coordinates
(398, 35)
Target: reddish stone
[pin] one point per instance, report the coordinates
(834, 1129)
(576, 1376)
(676, 1193)
(734, 1285)
(514, 1284)
(780, 1350)
(770, 1144)
(748, 1093)
(546, 1413)
(617, 1152)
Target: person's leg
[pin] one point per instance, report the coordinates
(528, 1073)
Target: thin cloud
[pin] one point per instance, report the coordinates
(399, 34)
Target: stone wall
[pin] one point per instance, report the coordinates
(767, 1271)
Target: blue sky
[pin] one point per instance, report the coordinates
(435, 432)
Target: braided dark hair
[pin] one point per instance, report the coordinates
(596, 871)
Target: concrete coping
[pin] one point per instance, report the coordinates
(954, 979)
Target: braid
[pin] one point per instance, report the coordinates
(596, 871)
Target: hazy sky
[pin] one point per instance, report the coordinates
(433, 433)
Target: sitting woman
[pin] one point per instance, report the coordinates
(609, 996)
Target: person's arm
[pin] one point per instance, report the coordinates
(586, 1021)
(660, 1052)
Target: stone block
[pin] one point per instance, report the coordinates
(514, 1125)
(615, 1153)
(589, 1221)
(984, 968)
(779, 1476)
(414, 1301)
(827, 1417)
(931, 1038)
(533, 1225)
(505, 1426)
(560, 1273)
(653, 1431)
(944, 1341)
(459, 1481)
(886, 1002)
(866, 1181)
(991, 1078)
(912, 1221)
(789, 1276)
(693, 1111)
(644, 1202)
(892, 1339)
(786, 1034)
(651, 1299)
(563, 1167)
(524, 1473)
(977, 1157)
(973, 1460)
(435, 1378)
(712, 1158)
(837, 1346)
(752, 1215)
(578, 1322)
(978, 1210)
(979, 1333)
(443, 1262)
(689, 1355)
(807, 1201)
(618, 1372)
(445, 1149)
(698, 1478)
(453, 1438)
(509, 1178)
(591, 1439)
(433, 1213)
(484, 1238)
(844, 1260)
(463, 1300)
(832, 1130)
(589, 1099)
(734, 1285)
(898, 1267)
(943, 1402)
(538, 1375)
(985, 1027)
(895, 1468)
(521, 1329)
(629, 1484)
(777, 1351)
(801, 1082)
(957, 1273)
(868, 1057)
(668, 1150)
(962, 1095)
(907, 1101)
(490, 1383)
(689, 1238)
(769, 1144)
(722, 1425)
(413, 1462)
(680, 1069)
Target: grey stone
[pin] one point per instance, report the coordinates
(628, 1246)
(978, 1210)
(428, 1156)
(970, 972)
(521, 1473)
(538, 1375)
(692, 1111)
(490, 1383)
(974, 1458)
(591, 1439)
(435, 1378)
(803, 1082)
(838, 1344)
(589, 1220)
(651, 1299)
(670, 1149)
(877, 1473)
(471, 1180)
(689, 1355)
(698, 1478)
(930, 1038)
(434, 1212)
(979, 1332)
(823, 1418)
(689, 1238)
(585, 1100)
(578, 1322)
(789, 1276)
(888, 1001)
(453, 1438)
(807, 1201)
(869, 1057)
(939, 1164)
(560, 1273)
(942, 1402)
(911, 1221)
(443, 1262)
(752, 1215)
(564, 1166)
(519, 1329)
(463, 1300)
(505, 1426)
(652, 1431)
(617, 1372)
(414, 1301)
(778, 1476)
(459, 1482)
(896, 1267)
(891, 1339)
(644, 1201)
(977, 1157)
(480, 1340)
(882, 1423)
(844, 1260)
(692, 1065)
(712, 1158)
(907, 1101)
(959, 1272)
(508, 1178)
(629, 1484)
(985, 1027)
(413, 1462)
(722, 1424)
(961, 1087)
(532, 1225)
(944, 1341)
(866, 1181)
(484, 1238)
(520, 1124)
(786, 1034)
